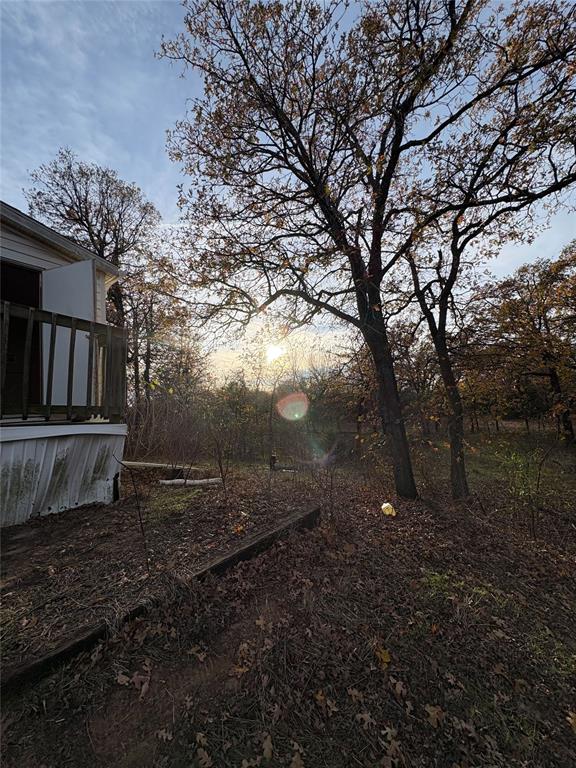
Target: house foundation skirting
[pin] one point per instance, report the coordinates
(45, 469)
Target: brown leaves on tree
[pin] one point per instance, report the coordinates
(325, 204)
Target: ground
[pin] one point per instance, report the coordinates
(63, 573)
(442, 636)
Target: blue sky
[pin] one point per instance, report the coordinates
(82, 73)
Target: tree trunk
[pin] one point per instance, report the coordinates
(565, 420)
(424, 423)
(391, 411)
(136, 358)
(116, 298)
(476, 422)
(136, 369)
(147, 370)
(148, 354)
(458, 478)
(271, 422)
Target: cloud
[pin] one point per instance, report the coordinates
(83, 74)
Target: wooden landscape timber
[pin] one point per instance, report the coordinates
(34, 670)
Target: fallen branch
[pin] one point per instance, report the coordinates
(181, 481)
(156, 465)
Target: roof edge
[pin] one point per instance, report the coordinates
(26, 224)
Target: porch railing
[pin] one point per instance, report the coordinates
(60, 367)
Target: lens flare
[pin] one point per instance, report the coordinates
(293, 407)
(273, 352)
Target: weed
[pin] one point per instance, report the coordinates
(162, 503)
(551, 653)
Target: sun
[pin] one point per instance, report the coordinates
(273, 352)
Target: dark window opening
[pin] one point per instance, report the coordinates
(20, 285)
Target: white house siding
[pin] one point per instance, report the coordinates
(45, 469)
(100, 289)
(28, 251)
(68, 290)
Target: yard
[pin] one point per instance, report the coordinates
(62, 574)
(442, 636)
(346, 293)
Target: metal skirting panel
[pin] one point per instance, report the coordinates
(45, 473)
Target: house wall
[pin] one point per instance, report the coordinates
(45, 469)
(68, 290)
(69, 287)
(100, 294)
(28, 251)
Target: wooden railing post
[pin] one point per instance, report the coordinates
(50, 377)
(4, 349)
(116, 378)
(90, 375)
(70, 382)
(107, 373)
(27, 360)
(121, 362)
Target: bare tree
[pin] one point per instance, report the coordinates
(92, 206)
(321, 150)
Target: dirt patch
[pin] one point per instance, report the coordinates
(130, 728)
(65, 573)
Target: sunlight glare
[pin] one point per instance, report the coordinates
(273, 352)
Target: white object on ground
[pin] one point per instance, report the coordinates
(207, 481)
(388, 509)
(156, 465)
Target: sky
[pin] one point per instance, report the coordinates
(82, 74)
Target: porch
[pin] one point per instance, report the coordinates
(60, 368)
(63, 397)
